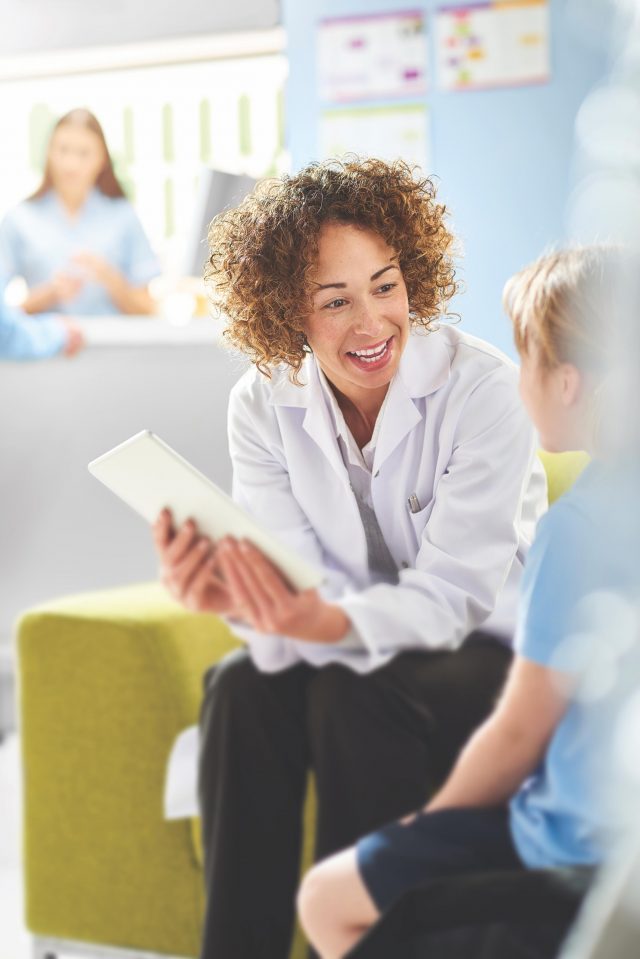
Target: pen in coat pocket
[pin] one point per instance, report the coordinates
(414, 504)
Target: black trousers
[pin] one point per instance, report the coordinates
(379, 744)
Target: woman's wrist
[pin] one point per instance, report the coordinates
(41, 298)
(332, 625)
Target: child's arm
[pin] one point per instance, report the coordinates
(511, 743)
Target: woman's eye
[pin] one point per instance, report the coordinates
(386, 287)
(335, 304)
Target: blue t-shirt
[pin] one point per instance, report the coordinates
(578, 615)
(39, 238)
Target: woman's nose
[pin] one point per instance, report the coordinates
(368, 322)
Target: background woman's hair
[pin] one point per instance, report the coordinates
(107, 182)
(263, 253)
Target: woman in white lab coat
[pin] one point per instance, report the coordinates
(396, 455)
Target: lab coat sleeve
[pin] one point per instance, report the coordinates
(471, 536)
(261, 485)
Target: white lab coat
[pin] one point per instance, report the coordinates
(454, 432)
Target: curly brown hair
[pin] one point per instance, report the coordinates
(263, 252)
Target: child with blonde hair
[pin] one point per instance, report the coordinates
(522, 794)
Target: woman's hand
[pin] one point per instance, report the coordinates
(267, 603)
(75, 337)
(61, 288)
(126, 297)
(235, 579)
(188, 569)
(65, 287)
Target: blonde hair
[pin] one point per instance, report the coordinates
(561, 306)
(577, 306)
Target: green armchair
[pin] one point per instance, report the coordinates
(107, 681)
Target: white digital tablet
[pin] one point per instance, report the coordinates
(149, 475)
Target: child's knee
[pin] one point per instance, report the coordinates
(312, 898)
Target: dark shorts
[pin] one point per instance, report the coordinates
(450, 842)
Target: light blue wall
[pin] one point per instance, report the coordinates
(504, 157)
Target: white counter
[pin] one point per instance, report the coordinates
(61, 531)
(102, 331)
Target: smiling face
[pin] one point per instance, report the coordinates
(76, 159)
(359, 325)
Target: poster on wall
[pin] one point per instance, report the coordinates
(381, 56)
(492, 44)
(391, 132)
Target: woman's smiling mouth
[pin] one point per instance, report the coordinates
(372, 357)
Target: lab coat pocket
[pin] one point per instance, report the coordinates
(420, 519)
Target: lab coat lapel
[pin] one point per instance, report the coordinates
(317, 422)
(424, 368)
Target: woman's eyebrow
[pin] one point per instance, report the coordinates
(342, 286)
(392, 266)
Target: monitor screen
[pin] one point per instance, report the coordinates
(217, 191)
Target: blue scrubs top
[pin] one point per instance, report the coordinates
(39, 238)
(579, 598)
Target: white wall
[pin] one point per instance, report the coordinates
(62, 531)
(32, 25)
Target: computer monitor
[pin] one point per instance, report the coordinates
(217, 191)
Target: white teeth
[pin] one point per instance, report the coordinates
(371, 354)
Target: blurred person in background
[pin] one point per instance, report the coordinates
(77, 241)
(22, 338)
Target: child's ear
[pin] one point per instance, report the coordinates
(571, 384)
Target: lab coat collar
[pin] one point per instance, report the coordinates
(424, 367)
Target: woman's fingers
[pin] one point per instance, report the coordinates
(207, 590)
(181, 543)
(173, 547)
(163, 530)
(256, 585)
(242, 596)
(182, 574)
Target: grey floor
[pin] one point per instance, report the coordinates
(14, 939)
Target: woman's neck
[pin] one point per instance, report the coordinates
(72, 201)
(361, 415)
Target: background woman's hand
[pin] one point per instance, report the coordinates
(188, 568)
(75, 337)
(65, 287)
